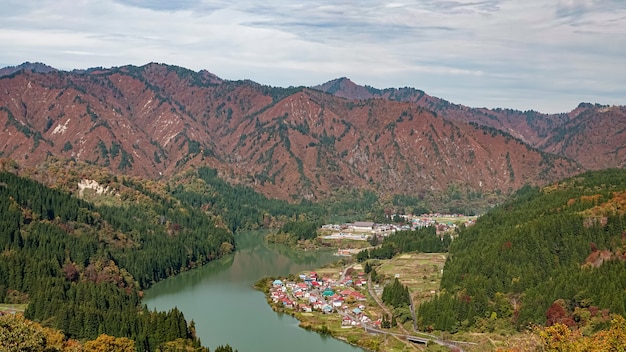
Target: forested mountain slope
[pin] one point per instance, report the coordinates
(156, 121)
(591, 134)
(80, 266)
(552, 254)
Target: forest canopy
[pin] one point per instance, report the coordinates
(547, 245)
(80, 267)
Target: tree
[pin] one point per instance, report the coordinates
(106, 343)
(18, 334)
(226, 348)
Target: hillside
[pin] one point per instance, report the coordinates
(593, 135)
(81, 266)
(156, 120)
(539, 259)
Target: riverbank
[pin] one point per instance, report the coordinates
(220, 299)
(336, 301)
(345, 244)
(325, 301)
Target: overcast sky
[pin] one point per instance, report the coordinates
(546, 55)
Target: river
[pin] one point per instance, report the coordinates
(226, 309)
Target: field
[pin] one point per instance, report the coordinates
(420, 272)
(11, 308)
(448, 219)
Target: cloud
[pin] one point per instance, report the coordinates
(534, 54)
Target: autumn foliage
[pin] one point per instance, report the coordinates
(559, 337)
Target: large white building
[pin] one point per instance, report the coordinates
(363, 226)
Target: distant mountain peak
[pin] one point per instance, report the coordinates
(157, 120)
(36, 67)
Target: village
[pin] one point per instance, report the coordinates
(366, 230)
(360, 230)
(342, 300)
(312, 293)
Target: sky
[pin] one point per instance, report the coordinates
(544, 55)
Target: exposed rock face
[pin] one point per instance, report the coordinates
(92, 185)
(294, 143)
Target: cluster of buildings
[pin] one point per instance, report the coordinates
(362, 229)
(311, 293)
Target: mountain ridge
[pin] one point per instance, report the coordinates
(291, 143)
(543, 131)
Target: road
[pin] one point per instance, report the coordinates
(453, 345)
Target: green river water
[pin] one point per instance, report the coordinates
(226, 309)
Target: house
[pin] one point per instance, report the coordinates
(277, 283)
(327, 308)
(305, 307)
(358, 296)
(363, 226)
(359, 283)
(287, 303)
(346, 321)
(345, 292)
(356, 311)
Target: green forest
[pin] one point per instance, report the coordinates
(81, 267)
(240, 207)
(550, 255)
(423, 240)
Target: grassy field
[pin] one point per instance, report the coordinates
(4, 307)
(420, 272)
(454, 219)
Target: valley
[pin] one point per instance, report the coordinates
(157, 185)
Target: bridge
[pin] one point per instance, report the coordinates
(416, 339)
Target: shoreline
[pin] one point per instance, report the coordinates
(355, 321)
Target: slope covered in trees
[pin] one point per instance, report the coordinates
(156, 121)
(241, 207)
(423, 240)
(540, 258)
(81, 267)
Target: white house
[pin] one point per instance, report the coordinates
(363, 226)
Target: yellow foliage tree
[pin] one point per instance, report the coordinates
(106, 343)
(18, 334)
(559, 338)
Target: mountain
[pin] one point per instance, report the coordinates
(34, 67)
(298, 143)
(592, 134)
